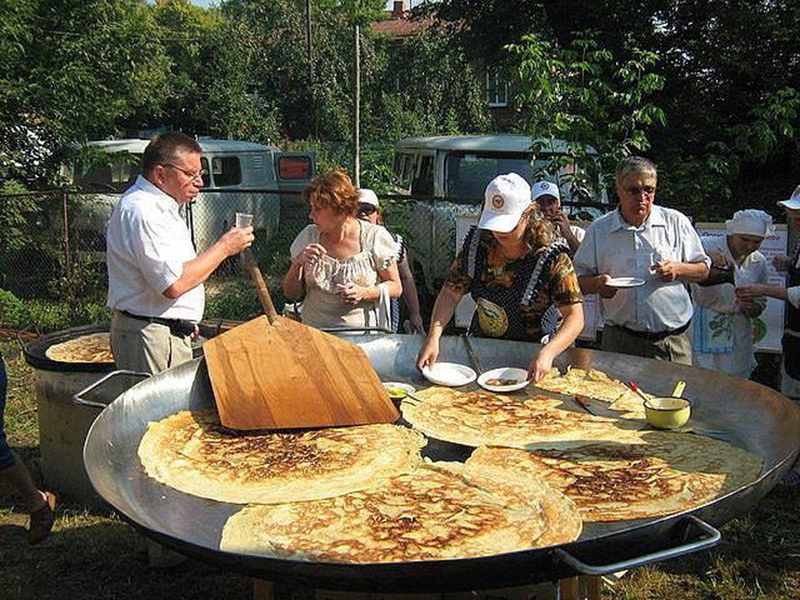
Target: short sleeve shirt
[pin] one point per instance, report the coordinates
(147, 244)
(613, 246)
(514, 295)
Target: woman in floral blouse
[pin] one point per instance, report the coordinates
(514, 269)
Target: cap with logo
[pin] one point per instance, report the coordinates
(507, 197)
(793, 203)
(545, 188)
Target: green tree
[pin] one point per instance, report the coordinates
(582, 95)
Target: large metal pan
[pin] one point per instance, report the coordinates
(756, 418)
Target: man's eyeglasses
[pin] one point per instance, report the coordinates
(637, 191)
(365, 210)
(193, 175)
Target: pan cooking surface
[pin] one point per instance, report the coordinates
(755, 417)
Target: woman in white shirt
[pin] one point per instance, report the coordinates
(343, 266)
(722, 324)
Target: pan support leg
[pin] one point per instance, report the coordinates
(263, 590)
(584, 587)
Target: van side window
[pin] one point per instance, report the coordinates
(206, 172)
(423, 183)
(294, 167)
(226, 170)
(404, 170)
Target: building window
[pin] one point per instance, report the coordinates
(496, 88)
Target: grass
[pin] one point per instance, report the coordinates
(92, 553)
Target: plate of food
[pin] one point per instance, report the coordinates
(398, 390)
(504, 379)
(625, 282)
(449, 374)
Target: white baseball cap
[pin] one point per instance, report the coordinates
(793, 203)
(367, 196)
(507, 197)
(545, 188)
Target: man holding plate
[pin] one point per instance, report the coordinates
(639, 259)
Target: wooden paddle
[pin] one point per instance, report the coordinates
(275, 373)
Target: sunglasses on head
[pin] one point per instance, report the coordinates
(366, 209)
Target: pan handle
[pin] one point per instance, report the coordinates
(79, 399)
(20, 341)
(712, 538)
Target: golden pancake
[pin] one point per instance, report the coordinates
(193, 453)
(596, 384)
(439, 511)
(478, 418)
(93, 348)
(663, 473)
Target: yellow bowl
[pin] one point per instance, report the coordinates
(667, 412)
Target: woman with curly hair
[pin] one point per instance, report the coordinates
(344, 269)
(515, 269)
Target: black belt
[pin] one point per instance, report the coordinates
(653, 336)
(178, 327)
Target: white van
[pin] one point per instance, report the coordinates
(239, 177)
(453, 172)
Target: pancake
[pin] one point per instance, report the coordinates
(439, 511)
(92, 348)
(663, 473)
(525, 420)
(596, 384)
(193, 453)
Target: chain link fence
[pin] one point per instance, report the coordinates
(52, 250)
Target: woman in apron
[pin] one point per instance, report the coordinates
(722, 326)
(514, 269)
(790, 371)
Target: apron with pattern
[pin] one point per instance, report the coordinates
(498, 312)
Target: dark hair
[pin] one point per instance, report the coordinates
(333, 189)
(165, 148)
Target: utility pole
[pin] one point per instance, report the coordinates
(310, 50)
(357, 107)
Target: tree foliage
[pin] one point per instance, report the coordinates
(731, 72)
(583, 95)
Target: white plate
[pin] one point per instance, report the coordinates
(625, 282)
(397, 385)
(449, 374)
(521, 375)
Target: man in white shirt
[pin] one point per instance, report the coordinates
(155, 278)
(547, 197)
(660, 249)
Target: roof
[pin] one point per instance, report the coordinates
(137, 146)
(478, 143)
(399, 28)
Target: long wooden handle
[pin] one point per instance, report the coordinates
(261, 287)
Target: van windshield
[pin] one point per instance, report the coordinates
(468, 173)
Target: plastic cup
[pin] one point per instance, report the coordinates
(243, 220)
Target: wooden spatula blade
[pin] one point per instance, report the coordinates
(288, 375)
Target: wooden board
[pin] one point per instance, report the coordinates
(288, 376)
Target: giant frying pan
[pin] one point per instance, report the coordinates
(756, 417)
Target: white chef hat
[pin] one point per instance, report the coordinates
(750, 222)
(793, 203)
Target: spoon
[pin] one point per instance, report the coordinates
(679, 387)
